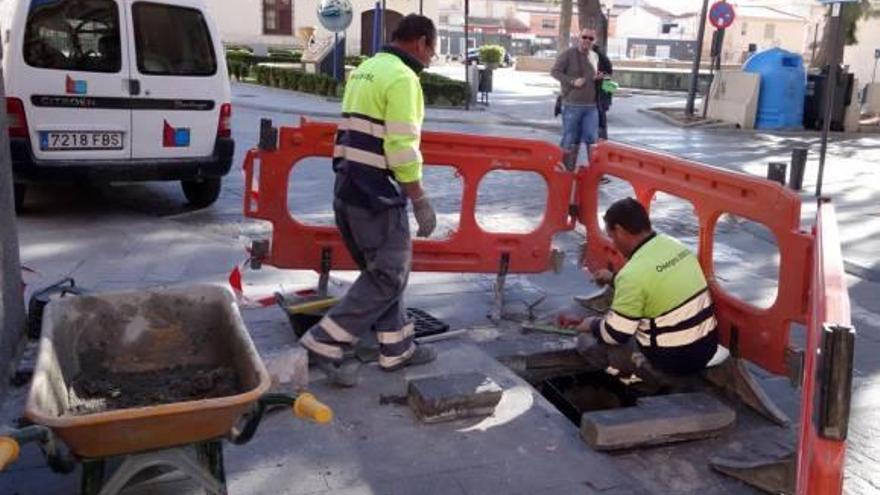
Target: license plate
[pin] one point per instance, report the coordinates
(80, 140)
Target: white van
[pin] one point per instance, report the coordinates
(116, 90)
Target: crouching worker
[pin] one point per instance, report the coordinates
(660, 297)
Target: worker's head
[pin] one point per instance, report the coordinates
(417, 36)
(627, 224)
(586, 39)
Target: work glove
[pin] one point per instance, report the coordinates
(425, 216)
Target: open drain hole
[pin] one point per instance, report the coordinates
(576, 394)
(567, 381)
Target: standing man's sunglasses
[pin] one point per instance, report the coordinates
(591, 38)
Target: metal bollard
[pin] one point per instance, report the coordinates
(798, 164)
(776, 172)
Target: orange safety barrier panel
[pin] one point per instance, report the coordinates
(827, 379)
(468, 249)
(762, 334)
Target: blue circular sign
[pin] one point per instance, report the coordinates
(721, 15)
(335, 15)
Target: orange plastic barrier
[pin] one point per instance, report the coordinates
(762, 334)
(825, 400)
(469, 249)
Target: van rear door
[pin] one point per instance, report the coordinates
(72, 79)
(182, 78)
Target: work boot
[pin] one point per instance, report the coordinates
(422, 355)
(344, 374)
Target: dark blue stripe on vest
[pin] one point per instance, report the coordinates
(361, 141)
(691, 322)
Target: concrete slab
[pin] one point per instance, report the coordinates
(657, 420)
(449, 397)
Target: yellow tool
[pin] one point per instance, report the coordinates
(9, 451)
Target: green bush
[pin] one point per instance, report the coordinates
(355, 60)
(491, 54)
(437, 88)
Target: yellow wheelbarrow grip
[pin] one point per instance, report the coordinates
(306, 406)
(9, 451)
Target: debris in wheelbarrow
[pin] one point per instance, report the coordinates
(108, 391)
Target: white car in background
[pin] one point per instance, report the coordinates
(116, 90)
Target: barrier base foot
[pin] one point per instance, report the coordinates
(772, 475)
(733, 377)
(498, 300)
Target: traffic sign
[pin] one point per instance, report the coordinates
(721, 15)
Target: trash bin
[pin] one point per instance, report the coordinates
(814, 99)
(783, 84)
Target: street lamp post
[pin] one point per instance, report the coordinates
(830, 91)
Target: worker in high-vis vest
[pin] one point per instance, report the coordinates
(378, 169)
(661, 298)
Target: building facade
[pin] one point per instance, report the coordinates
(279, 22)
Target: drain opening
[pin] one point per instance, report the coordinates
(573, 395)
(567, 381)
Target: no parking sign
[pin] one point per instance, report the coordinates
(721, 15)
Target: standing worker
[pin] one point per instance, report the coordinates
(581, 70)
(378, 167)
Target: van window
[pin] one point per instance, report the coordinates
(172, 41)
(74, 35)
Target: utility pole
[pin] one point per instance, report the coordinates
(695, 71)
(12, 316)
(467, 64)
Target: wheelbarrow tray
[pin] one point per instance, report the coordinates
(143, 331)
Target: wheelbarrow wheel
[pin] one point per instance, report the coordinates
(92, 477)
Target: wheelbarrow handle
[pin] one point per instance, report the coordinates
(304, 406)
(9, 450)
(307, 406)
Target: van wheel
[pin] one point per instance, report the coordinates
(202, 193)
(18, 192)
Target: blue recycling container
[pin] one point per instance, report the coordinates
(783, 86)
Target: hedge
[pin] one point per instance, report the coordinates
(296, 80)
(355, 60)
(241, 62)
(437, 89)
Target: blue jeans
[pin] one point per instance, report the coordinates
(580, 124)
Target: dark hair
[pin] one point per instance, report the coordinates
(413, 27)
(629, 214)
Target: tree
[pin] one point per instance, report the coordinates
(564, 38)
(12, 316)
(850, 15)
(590, 15)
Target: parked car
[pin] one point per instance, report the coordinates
(547, 53)
(115, 90)
(473, 57)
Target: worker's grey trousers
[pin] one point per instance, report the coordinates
(380, 244)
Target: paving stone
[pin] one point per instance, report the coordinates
(449, 397)
(656, 420)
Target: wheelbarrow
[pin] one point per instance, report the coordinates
(120, 338)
